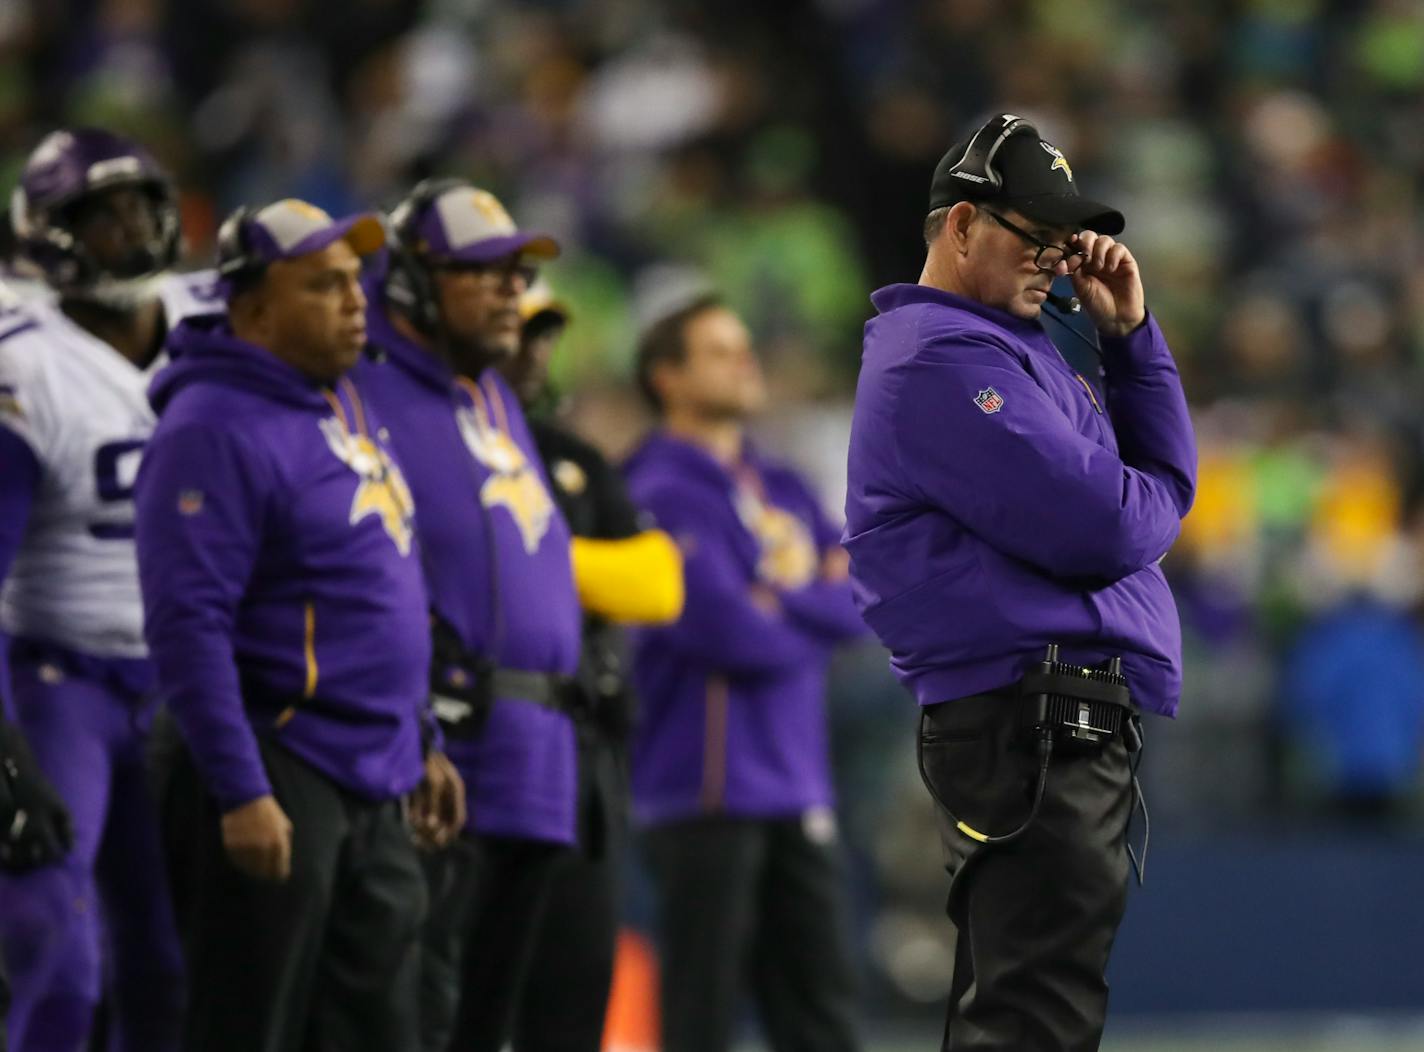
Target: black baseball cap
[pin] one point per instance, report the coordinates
(1006, 163)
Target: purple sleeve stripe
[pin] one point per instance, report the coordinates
(26, 327)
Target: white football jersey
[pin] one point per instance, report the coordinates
(83, 410)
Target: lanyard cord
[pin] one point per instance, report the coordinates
(333, 400)
(479, 406)
(1098, 351)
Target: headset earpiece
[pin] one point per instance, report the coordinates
(409, 287)
(405, 214)
(408, 283)
(234, 256)
(977, 164)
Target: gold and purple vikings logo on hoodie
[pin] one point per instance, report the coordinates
(513, 483)
(382, 491)
(788, 556)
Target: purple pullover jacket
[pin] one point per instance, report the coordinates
(732, 697)
(281, 579)
(995, 505)
(481, 489)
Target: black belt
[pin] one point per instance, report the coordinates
(542, 688)
(539, 688)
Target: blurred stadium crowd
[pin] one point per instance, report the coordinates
(1265, 152)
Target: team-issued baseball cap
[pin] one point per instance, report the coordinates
(251, 239)
(1006, 163)
(464, 224)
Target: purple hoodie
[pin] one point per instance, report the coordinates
(480, 486)
(732, 717)
(996, 504)
(281, 579)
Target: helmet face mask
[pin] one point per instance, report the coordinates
(61, 184)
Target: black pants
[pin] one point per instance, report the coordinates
(565, 1000)
(487, 901)
(327, 961)
(1036, 917)
(759, 901)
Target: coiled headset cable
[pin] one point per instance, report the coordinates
(1044, 748)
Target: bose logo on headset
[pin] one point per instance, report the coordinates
(977, 164)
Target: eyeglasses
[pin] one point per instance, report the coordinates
(499, 274)
(1048, 255)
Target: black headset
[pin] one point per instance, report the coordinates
(234, 254)
(407, 284)
(977, 164)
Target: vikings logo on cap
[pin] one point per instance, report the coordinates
(292, 227)
(473, 215)
(1059, 161)
(464, 223)
(292, 219)
(382, 491)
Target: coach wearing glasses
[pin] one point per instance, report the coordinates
(505, 616)
(1000, 502)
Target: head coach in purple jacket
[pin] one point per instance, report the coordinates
(731, 765)
(286, 613)
(1000, 502)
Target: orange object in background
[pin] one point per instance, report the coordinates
(632, 1024)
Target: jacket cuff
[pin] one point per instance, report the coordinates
(236, 788)
(1135, 351)
(432, 738)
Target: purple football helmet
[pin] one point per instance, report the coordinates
(64, 169)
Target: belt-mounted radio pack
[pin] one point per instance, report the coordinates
(1072, 710)
(1079, 707)
(464, 685)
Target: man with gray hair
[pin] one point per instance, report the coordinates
(1005, 519)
